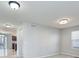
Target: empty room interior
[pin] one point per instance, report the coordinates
(39, 29)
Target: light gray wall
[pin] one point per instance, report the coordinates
(66, 43)
(37, 41)
(20, 37)
(9, 44)
(9, 41)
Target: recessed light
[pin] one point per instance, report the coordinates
(14, 5)
(63, 21)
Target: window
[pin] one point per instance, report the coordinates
(3, 45)
(75, 39)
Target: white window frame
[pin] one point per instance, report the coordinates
(75, 39)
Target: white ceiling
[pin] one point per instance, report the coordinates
(41, 12)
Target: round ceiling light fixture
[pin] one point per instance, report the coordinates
(14, 5)
(63, 21)
(8, 25)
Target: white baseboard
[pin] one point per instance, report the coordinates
(68, 53)
(56, 53)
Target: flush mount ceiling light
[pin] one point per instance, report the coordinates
(64, 21)
(8, 25)
(14, 5)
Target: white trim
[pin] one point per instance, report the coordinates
(56, 53)
(14, 41)
(70, 54)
